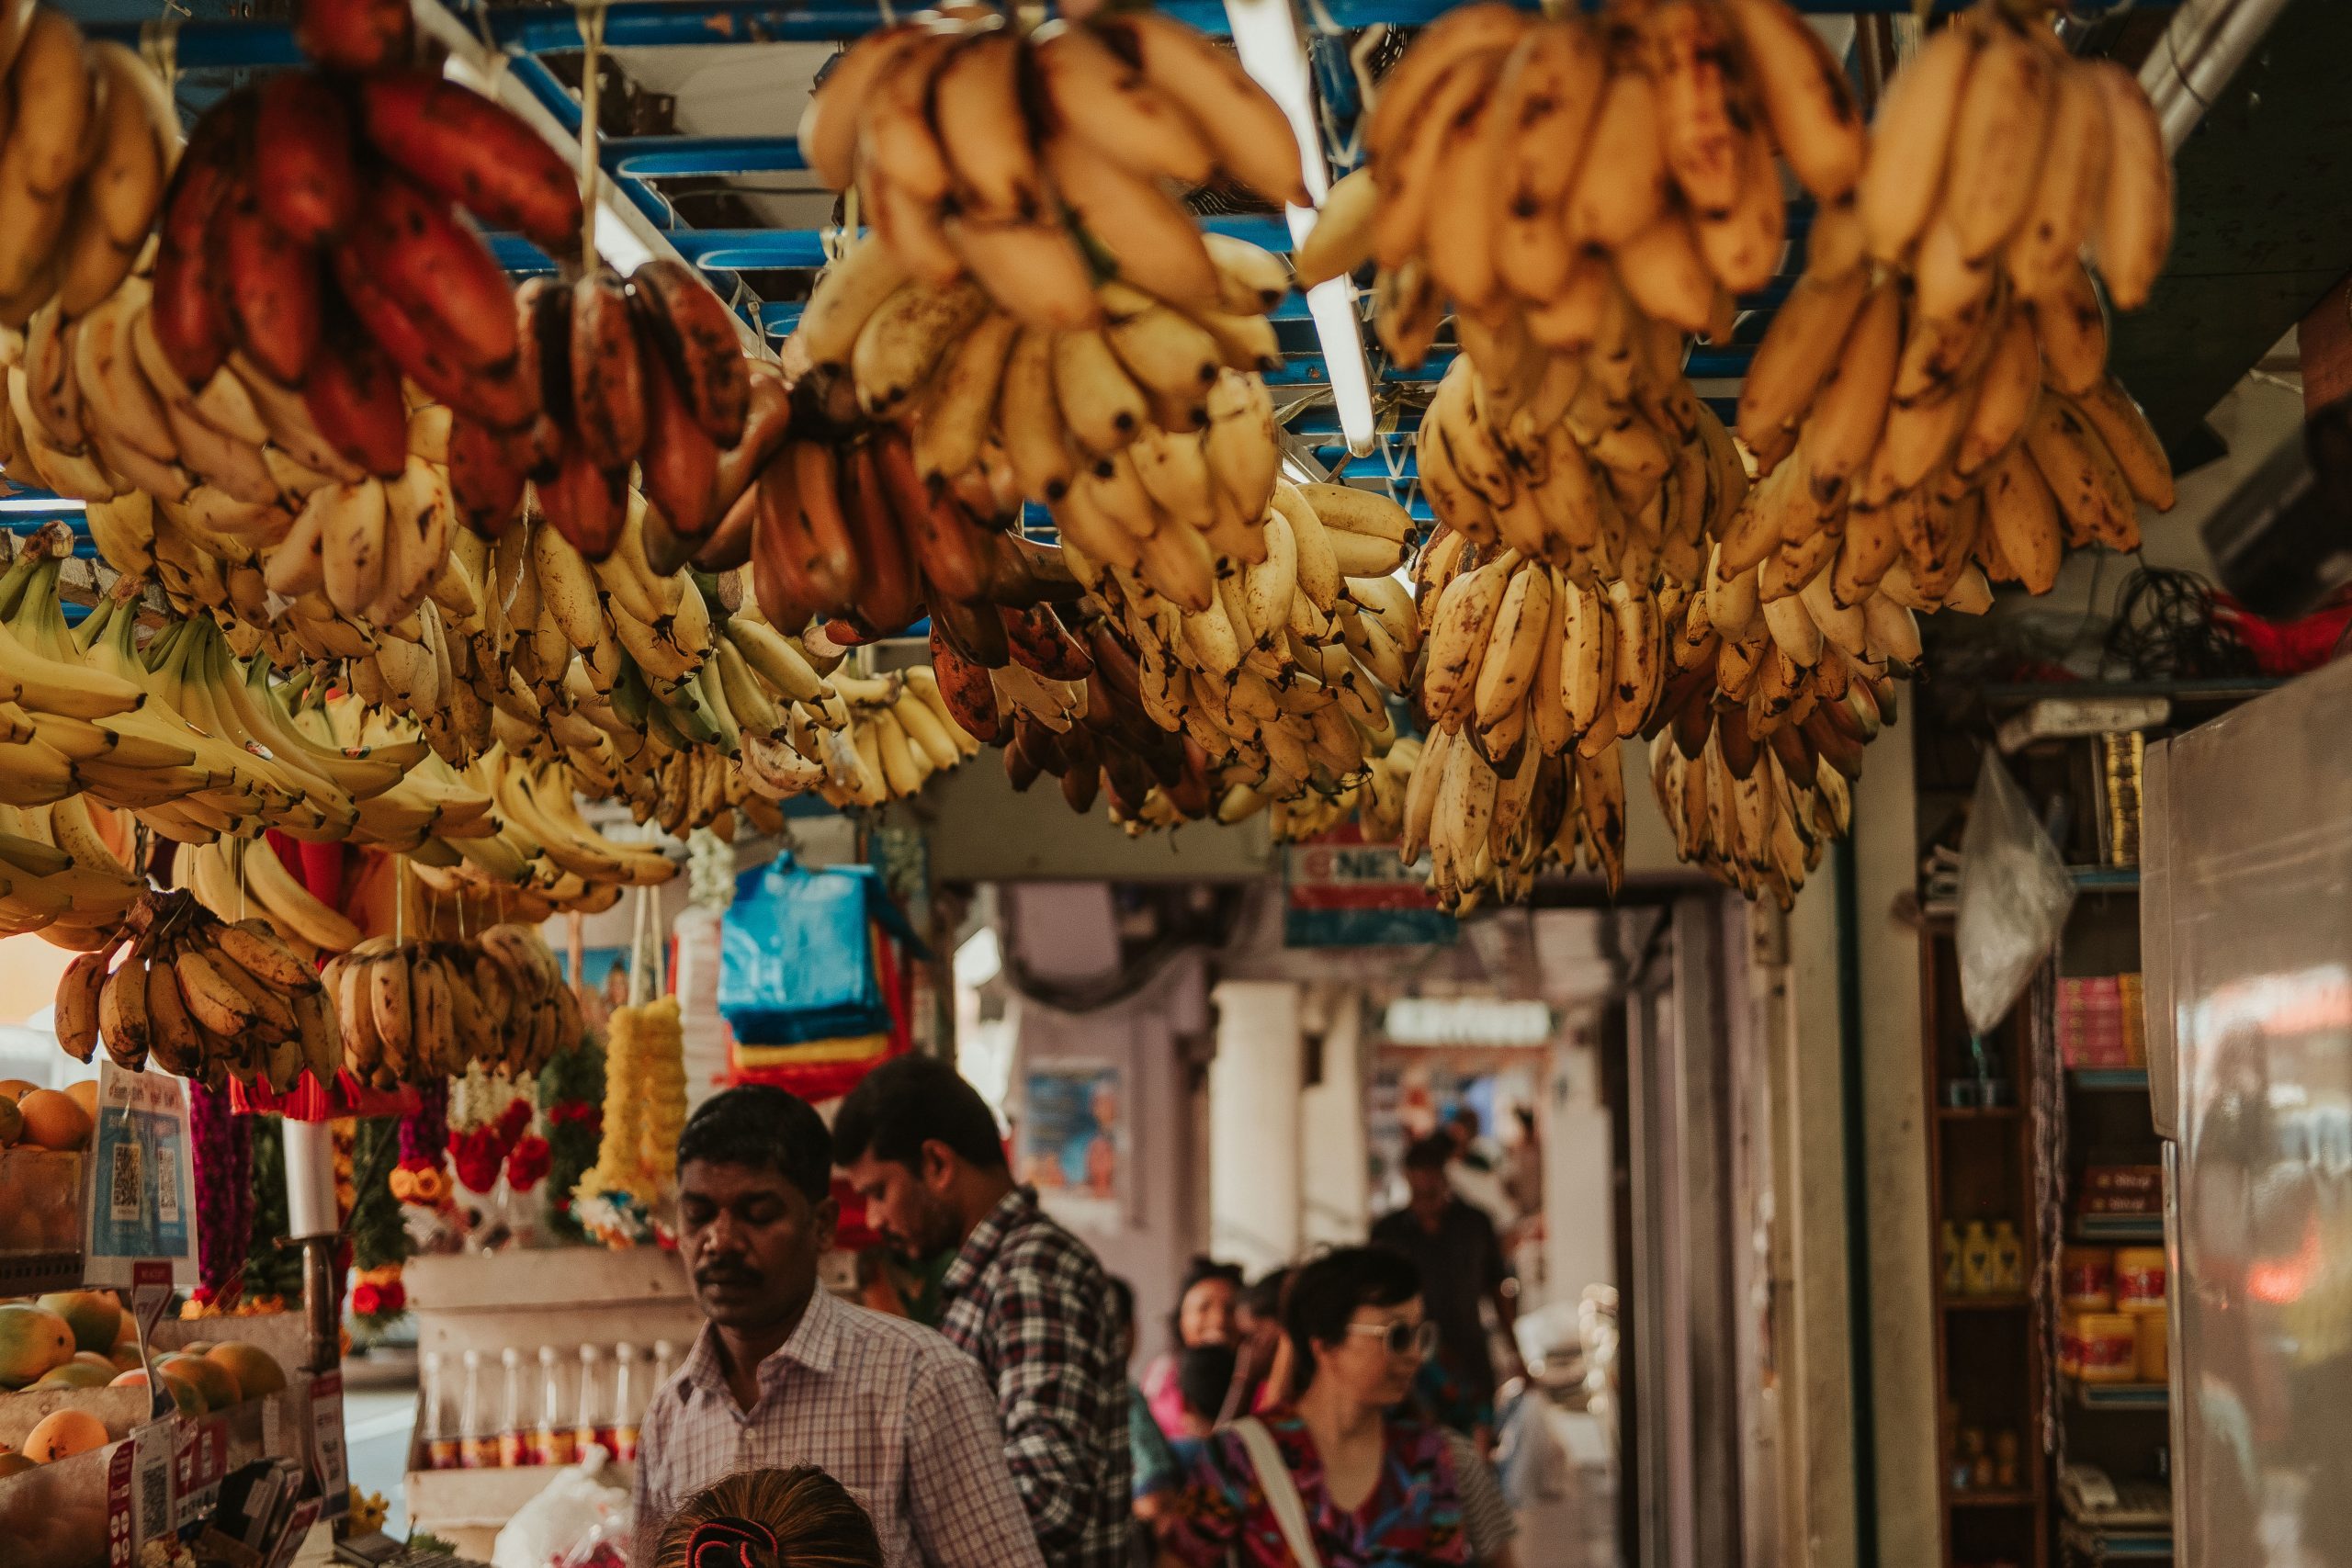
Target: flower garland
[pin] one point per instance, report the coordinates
(645, 1106)
(222, 1146)
(570, 1087)
(419, 1180)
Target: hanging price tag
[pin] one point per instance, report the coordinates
(138, 1493)
(199, 1460)
(298, 1530)
(328, 1461)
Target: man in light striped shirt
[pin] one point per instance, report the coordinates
(784, 1374)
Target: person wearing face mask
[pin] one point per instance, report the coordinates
(785, 1375)
(1023, 1297)
(1338, 1476)
(1203, 1316)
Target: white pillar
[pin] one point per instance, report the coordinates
(1335, 1203)
(1254, 1087)
(1579, 1218)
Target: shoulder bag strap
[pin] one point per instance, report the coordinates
(1282, 1491)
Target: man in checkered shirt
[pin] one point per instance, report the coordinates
(1023, 1296)
(784, 1374)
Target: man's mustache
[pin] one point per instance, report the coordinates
(727, 1274)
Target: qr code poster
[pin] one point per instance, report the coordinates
(139, 1204)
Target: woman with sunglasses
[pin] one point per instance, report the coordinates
(1338, 1476)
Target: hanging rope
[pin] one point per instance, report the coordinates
(592, 43)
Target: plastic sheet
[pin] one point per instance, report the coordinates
(797, 961)
(2013, 896)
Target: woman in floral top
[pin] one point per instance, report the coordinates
(1379, 1489)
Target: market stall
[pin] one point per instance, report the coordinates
(1398, 428)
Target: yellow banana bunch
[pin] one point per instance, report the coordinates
(1492, 825)
(1150, 412)
(983, 152)
(1603, 463)
(1515, 164)
(1375, 801)
(63, 879)
(1934, 392)
(1747, 814)
(202, 997)
(415, 1012)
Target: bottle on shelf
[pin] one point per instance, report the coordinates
(513, 1416)
(588, 1428)
(1977, 1260)
(557, 1445)
(628, 1401)
(441, 1445)
(477, 1438)
(2008, 1259)
(665, 1366)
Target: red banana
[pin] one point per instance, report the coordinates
(1081, 770)
(358, 35)
(1023, 572)
(1022, 762)
(268, 286)
(190, 325)
(1124, 776)
(973, 630)
(1796, 758)
(955, 554)
(666, 550)
(499, 398)
(765, 427)
(488, 470)
(607, 376)
(1738, 742)
(778, 532)
(890, 594)
(469, 150)
(302, 157)
(1190, 795)
(729, 546)
(353, 393)
(678, 468)
(423, 256)
(826, 548)
(965, 688)
(586, 504)
(1039, 642)
(1113, 663)
(694, 335)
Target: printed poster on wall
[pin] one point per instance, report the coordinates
(139, 1201)
(1073, 1141)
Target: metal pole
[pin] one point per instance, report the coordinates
(2201, 50)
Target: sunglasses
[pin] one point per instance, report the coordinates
(1415, 1339)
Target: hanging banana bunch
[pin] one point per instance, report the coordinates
(1376, 802)
(92, 139)
(1151, 412)
(411, 1013)
(204, 999)
(1517, 166)
(1933, 399)
(979, 151)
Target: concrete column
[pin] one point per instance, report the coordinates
(1335, 1204)
(1255, 1168)
(1902, 1284)
(1581, 1242)
(1810, 1160)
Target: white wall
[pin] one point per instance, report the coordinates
(1578, 1184)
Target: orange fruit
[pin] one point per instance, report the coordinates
(63, 1434)
(85, 1095)
(53, 1121)
(255, 1370)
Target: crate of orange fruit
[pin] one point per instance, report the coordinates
(43, 1133)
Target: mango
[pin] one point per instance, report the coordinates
(32, 1340)
(255, 1370)
(63, 1434)
(53, 1121)
(95, 1316)
(219, 1383)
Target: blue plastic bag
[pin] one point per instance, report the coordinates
(797, 956)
